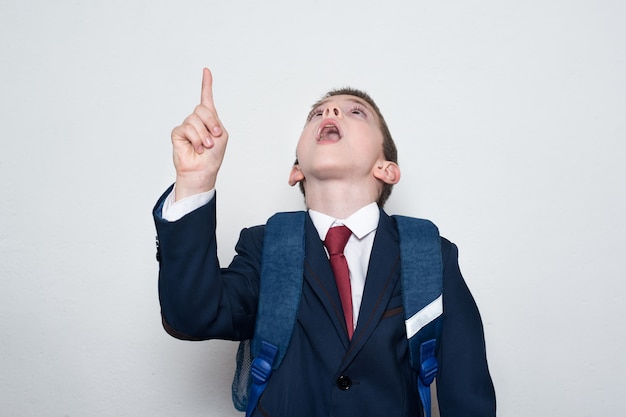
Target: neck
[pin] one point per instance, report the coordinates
(339, 199)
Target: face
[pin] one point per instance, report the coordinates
(341, 139)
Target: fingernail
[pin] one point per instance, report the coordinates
(216, 130)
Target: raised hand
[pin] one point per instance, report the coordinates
(199, 144)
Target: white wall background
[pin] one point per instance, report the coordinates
(509, 117)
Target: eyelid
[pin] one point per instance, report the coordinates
(360, 108)
(315, 112)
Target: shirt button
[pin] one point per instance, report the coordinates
(344, 382)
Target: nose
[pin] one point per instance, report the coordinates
(332, 110)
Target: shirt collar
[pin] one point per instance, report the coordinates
(362, 222)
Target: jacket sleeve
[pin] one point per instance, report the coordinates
(199, 299)
(464, 385)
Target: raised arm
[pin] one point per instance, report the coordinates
(199, 299)
(199, 144)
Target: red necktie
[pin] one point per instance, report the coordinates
(335, 241)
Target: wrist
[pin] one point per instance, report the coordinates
(188, 185)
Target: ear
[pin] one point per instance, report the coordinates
(295, 176)
(387, 171)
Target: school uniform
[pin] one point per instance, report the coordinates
(324, 372)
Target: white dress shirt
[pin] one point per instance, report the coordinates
(362, 223)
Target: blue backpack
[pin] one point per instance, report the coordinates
(281, 279)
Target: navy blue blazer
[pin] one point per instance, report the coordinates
(324, 373)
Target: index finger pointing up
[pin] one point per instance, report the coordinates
(206, 97)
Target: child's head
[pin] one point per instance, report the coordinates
(329, 106)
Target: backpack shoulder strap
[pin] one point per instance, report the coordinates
(282, 269)
(280, 290)
(422, 288)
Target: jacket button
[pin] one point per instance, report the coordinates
(344, 383)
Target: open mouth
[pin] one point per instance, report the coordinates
(328, 131)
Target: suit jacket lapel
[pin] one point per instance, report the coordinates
(382, 278)
(319, 276)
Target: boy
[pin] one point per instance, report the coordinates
(348, 354)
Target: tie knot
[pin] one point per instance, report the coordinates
(336, 239)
